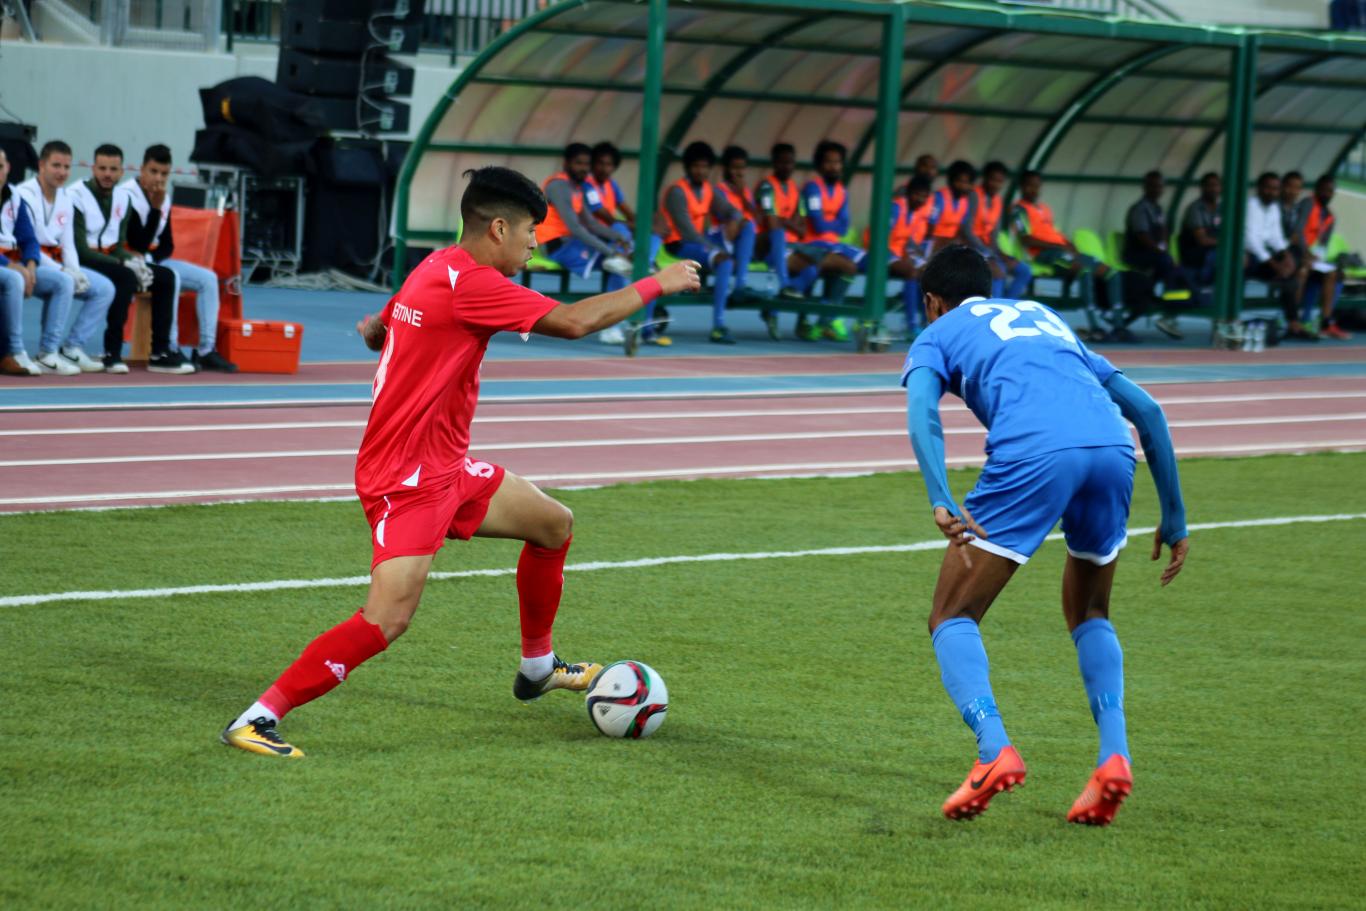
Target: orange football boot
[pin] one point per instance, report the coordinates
(1106, 790)
(986, 780)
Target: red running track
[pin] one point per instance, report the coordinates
(62, 460)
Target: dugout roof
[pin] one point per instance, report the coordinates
(1092, 102)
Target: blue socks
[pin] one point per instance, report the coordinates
(910, 300)
(1019, 281)
(1102, 672)
(998, 286)
(963, 668)
(720, 292)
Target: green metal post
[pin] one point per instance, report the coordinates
(1228, 287)
(884, 170)
(649, 136)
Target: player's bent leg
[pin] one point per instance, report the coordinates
(521, 510)
(395, 589)
(961, 599)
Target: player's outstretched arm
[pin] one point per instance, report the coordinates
(924, 389)
(603, 310)
(1146, 415)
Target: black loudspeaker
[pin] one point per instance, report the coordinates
(368, 113)
(317, 74)
(345, 203)
(303, 30)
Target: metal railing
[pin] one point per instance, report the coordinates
(1130, 9)
(169, 24)
(459, 27)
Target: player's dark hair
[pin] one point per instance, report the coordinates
(957, 273)
(1153, 175)
(1288, 175)
(605, 149)
(1025, 175)
(496, 192)
(575, 149)
(160, 154)
(733, 153)
(698, 151)
(825, 147)
(53, 147)
(109, 150)
(1324, 179)
(1266, 177)
(1209, 175)
(781, 148)
(918, 182)
(995, 167)
(960, 168)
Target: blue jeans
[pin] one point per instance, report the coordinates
(55, 289)
(204, 283)
(575, 256)
(94, 309)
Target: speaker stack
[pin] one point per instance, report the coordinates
(337, 53)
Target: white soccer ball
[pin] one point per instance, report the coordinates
(628, 699)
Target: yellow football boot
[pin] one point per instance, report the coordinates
(578, 677)
(260, 736)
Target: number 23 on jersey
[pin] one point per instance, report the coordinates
(1007, 315)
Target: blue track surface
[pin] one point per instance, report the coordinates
(521, 390)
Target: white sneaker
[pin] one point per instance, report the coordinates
(617, 265)
(84, 362)
(52, 362)
(612, 335)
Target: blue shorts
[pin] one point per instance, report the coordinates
(848, 251)
(1018, 503)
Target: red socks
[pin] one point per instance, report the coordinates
(540, 580)
(326, 662)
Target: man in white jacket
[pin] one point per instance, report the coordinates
(54, 223)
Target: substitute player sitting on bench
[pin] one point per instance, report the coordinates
(705, 227)
(575, 238)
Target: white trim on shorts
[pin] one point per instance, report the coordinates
(999, 551)
(1101, 559)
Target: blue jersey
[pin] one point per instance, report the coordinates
(1024, 374)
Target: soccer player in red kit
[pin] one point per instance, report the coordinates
(416, 481)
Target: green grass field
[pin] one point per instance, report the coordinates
(806, 752)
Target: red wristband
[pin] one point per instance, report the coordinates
(648, 289)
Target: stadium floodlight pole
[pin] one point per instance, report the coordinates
(646, 195)
(884, 170)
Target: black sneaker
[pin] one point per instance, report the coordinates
(214, 361)
(771, 324)
(721, 336)
(114, 364)
(169, 362)
(563, 676)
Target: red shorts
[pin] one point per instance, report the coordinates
(412, 523)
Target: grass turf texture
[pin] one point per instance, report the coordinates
(802, 763)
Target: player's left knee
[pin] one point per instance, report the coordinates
(558, 526)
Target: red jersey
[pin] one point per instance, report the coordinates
(427, 383)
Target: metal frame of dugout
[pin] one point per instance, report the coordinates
(1091, 102)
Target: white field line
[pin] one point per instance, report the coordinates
(785, 469)
(947, 408)
(644, 562)
(632, 441)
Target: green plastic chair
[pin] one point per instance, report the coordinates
(1011, 247)
(1088, 243)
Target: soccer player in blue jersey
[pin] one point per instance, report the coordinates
(1057, 447)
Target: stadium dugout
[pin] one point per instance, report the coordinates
(1092, 102)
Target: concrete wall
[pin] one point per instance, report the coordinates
(136, 97)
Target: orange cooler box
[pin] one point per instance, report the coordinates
(257, 346)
